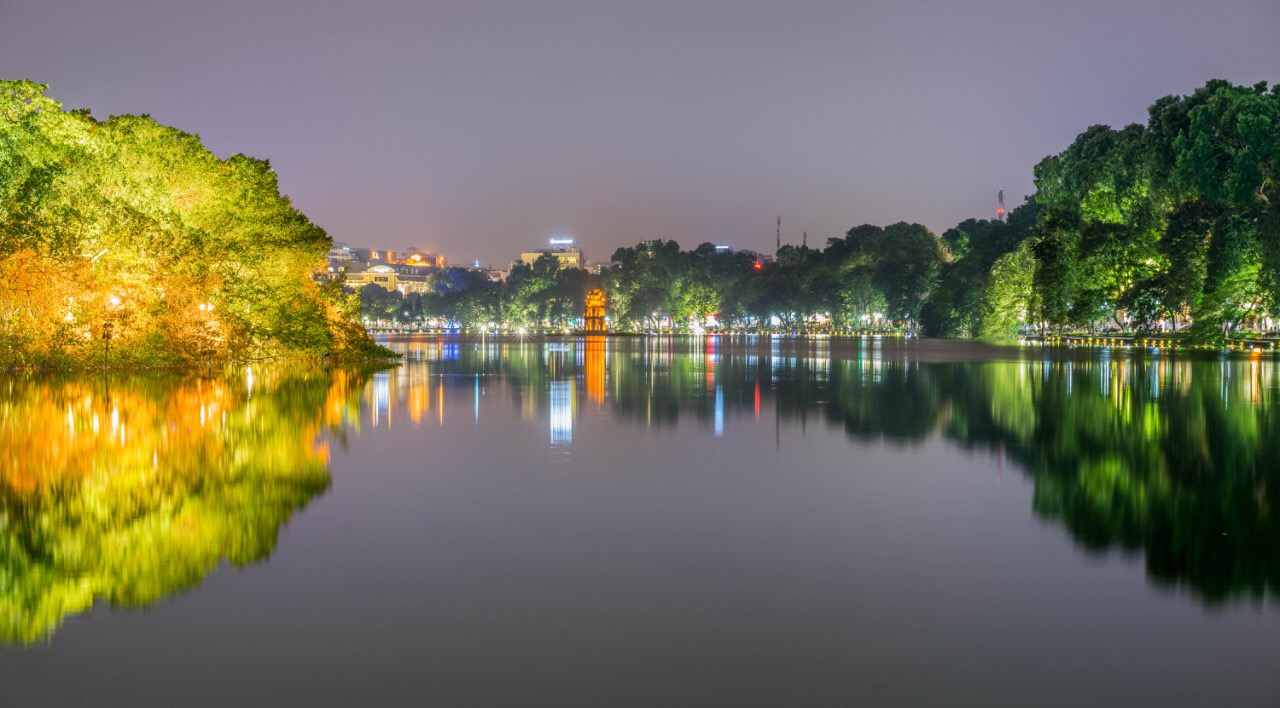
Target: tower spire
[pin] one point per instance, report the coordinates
(1000, 204)
(778, 245)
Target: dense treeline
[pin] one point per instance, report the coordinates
(132, 229)
(542, 295)
(873, 277)
(1176, 219)
(1161, 225)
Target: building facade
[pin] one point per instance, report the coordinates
(565, 251)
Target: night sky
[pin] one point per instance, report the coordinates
(478, 129)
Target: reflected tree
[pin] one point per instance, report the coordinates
(136, 493)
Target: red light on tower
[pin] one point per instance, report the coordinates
(758, 265)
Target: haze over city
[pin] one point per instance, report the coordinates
(480, 130)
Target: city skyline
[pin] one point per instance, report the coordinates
(476, 132)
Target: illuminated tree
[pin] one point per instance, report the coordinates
(135, 224)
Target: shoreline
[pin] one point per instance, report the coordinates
(841, 347)
(388, 359)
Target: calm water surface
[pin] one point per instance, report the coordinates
(647, 522)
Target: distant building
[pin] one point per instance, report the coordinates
(760, 257)
(391, 277)
(417, 256)
(412, 275)
(565, 250)
(340, 252)
(368, 255)
(407, 273)
(495, 275)
(379, 274)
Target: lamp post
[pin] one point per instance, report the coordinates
(106, 342)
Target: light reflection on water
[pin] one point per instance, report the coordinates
(1127, 450)
(778, 514)
(183, 473)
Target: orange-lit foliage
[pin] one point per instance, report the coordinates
(130, 223)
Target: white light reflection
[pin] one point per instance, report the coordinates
(381, 395)
(561, 404)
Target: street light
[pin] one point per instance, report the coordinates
(106, 341)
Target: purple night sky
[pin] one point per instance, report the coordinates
(478, 129)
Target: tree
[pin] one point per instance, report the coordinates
(907, 269)
(1008, 297)
(136, 224)
(1215, 156)
(377, 304)
(953, 308)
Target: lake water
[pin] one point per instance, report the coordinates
(662, 521)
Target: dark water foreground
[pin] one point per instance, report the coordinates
(648, 522)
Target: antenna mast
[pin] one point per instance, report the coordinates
(778, 245)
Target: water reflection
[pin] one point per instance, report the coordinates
(135, 493)
(1170, 458)
(131, 490)
(1174, 459)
